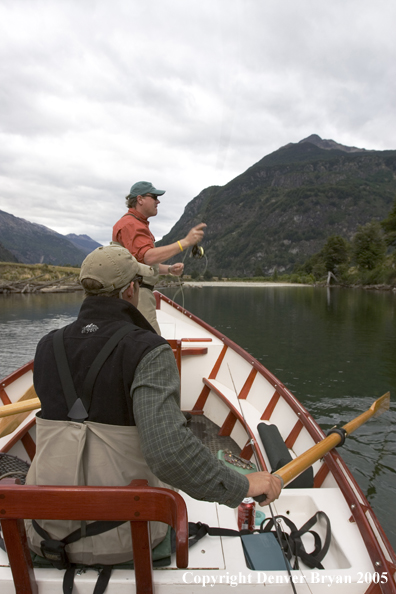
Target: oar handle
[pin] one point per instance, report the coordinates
(294, 468)
(19, 407)
(262, 498)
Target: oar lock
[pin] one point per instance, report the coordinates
(339, 431)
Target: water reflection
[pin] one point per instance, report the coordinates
(24, 319)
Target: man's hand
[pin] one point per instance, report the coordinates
(176, 269)
(264, 483)
(163, 253)
(194, 236)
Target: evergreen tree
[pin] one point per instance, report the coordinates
(389, 227)
(369, 247)
(335, 252)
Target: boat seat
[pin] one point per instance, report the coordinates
(137, 503)
(279, 455)
(179, 352)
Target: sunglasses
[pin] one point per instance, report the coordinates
(152, 196)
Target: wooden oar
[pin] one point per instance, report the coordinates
(12, 415)
(291, 470)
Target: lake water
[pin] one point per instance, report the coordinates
(334, 349)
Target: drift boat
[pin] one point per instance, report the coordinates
(250, 420)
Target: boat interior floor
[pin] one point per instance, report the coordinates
(13, 467)
(208, 432)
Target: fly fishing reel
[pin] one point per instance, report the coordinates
(197, 251)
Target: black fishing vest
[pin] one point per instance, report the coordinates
(98, 320)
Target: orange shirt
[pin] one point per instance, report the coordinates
(132, 231)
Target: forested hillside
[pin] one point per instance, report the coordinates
(282, 209)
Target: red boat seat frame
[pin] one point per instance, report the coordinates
(136, 503)
(179, 352)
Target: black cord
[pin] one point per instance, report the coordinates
(279, 536)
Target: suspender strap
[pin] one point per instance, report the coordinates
(99, 361)
(79, 407)
(101, 583)
(63, 369)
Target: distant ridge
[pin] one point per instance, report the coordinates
(31, 243)
(328, 144)
(83, 242)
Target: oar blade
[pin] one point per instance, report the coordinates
(381, 405)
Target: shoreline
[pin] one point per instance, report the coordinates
(242, 283)
(239, 284)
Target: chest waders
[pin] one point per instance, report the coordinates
(54, 550)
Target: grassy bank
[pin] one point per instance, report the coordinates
(18, 272)
(380, 277)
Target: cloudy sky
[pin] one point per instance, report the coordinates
(95, 95)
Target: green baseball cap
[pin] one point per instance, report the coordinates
(113, 266)
(142, 187)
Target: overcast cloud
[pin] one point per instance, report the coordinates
(95, 95)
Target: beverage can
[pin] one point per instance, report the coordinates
(247, 514)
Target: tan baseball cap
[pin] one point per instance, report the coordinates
(113, 266)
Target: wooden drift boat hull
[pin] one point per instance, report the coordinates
(229, 393)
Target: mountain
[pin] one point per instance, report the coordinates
(83, 242)
(5, 255)
(328, 144)
(282, 209)
(33, 244)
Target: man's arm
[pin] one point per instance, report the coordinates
(163, 253)
(171, 450)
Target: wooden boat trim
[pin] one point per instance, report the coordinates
(309, 423)
(247, 451)
(294, 433)
(320, 476)
(270, 407)
(229, 424)
(137, 503)
(380, 551)
(248, 384)
(9, 379)
(202, 398)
